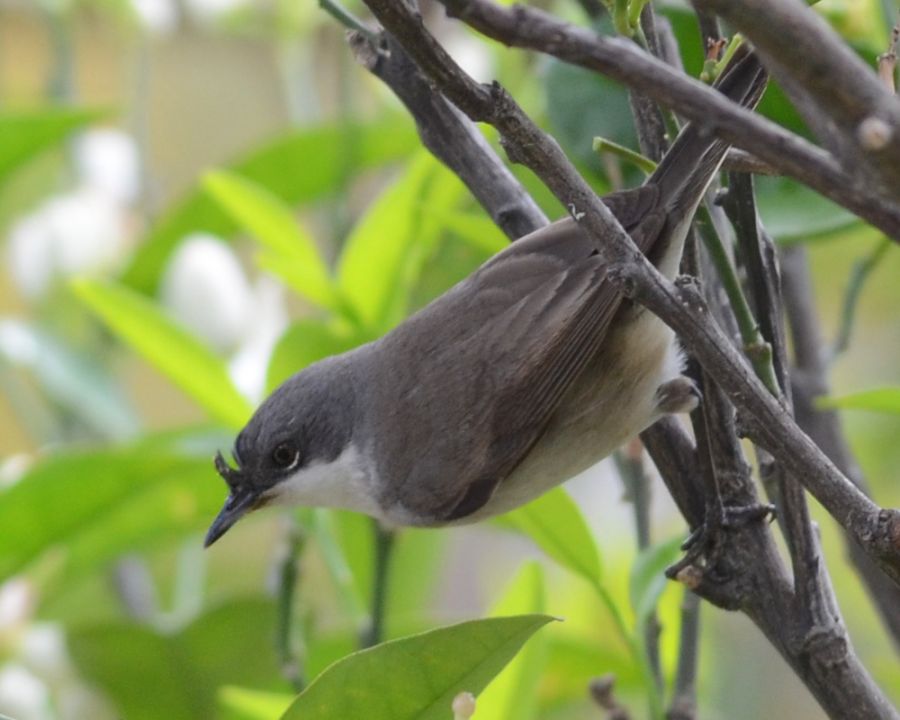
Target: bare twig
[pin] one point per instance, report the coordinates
(684, 693)
(601, 690)
(630, 463)
(288, 576)
(384, 549)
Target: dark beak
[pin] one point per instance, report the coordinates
(236, 506)
(241, 500)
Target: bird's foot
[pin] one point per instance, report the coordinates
(703, 547)
(680, 395)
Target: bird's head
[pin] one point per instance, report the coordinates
(285, 452)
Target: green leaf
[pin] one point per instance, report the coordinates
(299, 167)
(90, 505)
(169, 348)
(514, 693)
(26, 134)
(647, 579)
(151, 675)
(385, 251)
(477, 230)
(885, 400)
(792, 212)
(303, 343)
(292, 253)
(243, 704)
(417, 677)
(557, 526)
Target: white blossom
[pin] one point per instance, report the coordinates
(205, 287)
(108, 160)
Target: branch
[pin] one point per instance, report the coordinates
(450, 136)
(824, 426)
(622, 60)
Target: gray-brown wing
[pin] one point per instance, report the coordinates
(471, 381)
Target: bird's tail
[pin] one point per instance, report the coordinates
(686, 170)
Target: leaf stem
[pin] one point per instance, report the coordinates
(602, 145)
(756, 348)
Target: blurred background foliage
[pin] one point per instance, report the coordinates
(200, 197)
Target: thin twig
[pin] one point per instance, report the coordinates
(684, 691)
(384, 549)
(288, 577)
(630, 464)
(859, 273)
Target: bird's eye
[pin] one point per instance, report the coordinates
(285, 455)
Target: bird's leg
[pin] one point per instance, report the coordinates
(680, 395)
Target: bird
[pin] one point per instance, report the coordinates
(527, 372)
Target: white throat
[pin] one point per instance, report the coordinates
(341, 483)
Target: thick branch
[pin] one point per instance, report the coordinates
(527, 27)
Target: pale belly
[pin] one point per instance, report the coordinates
(614, 400)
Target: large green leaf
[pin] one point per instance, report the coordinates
(557, 526)
(647, 579)
(151, 675)
(290, 252)
(514, 693)
(172, 350)
(301, 166)
(879, 400)
(382, 258)
(88, 506)
(24, 135)
(417, 677)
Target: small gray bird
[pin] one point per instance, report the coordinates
(524, 374)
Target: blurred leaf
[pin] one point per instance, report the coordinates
(299, 167)
(514, 693)
(582, 104)
(477, 230)
(384, 253)
(292, 252)
(416, 677)
(791, 211)
(303, 343)
(885, 400)
(69, 378)
(169, 348)
(151, 675)
(79, 504)
(25, 134)
(648, 580)
(556, 525)
(240, 703)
